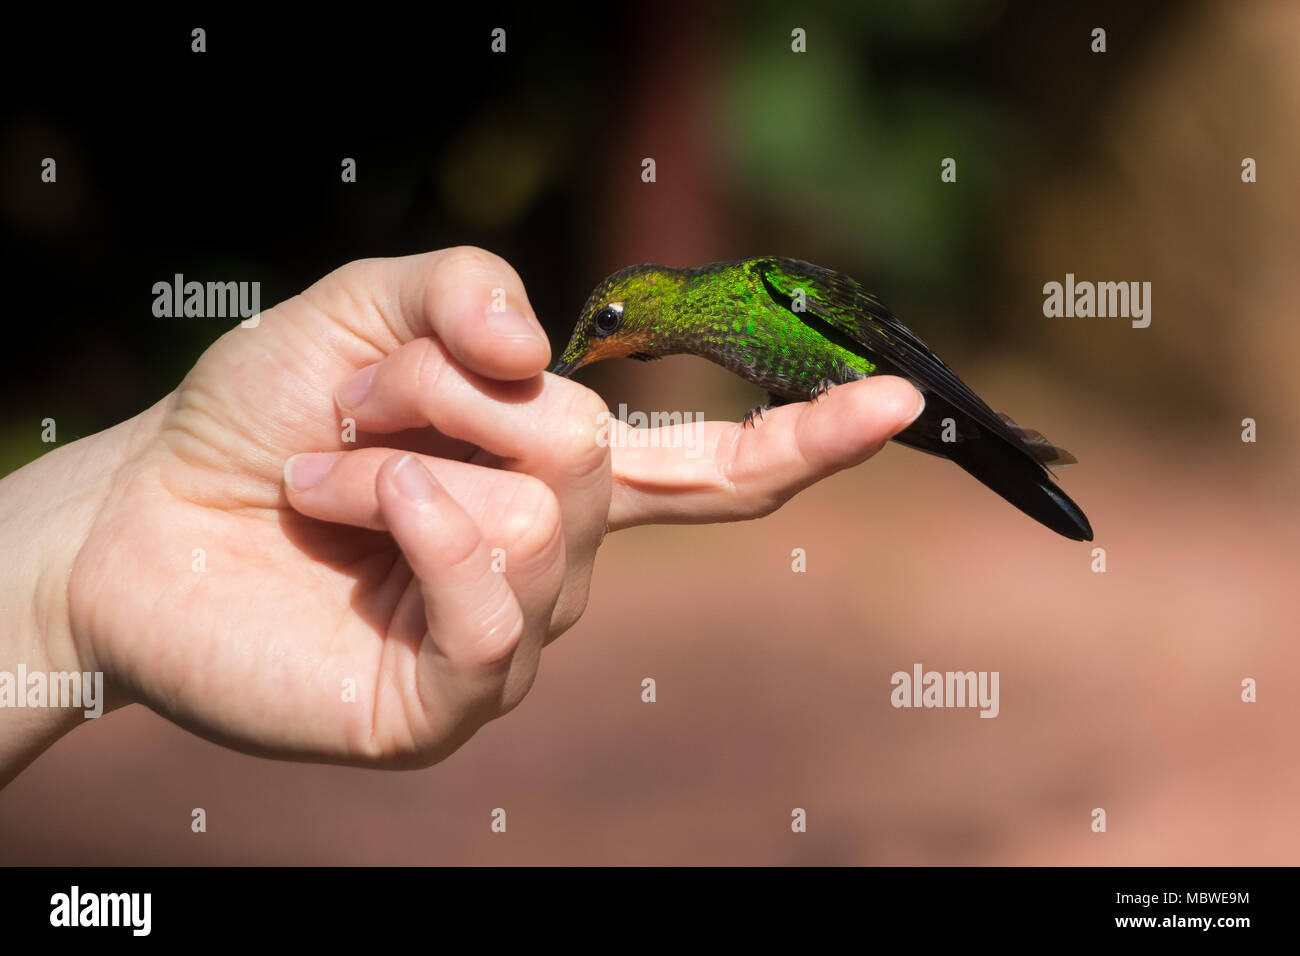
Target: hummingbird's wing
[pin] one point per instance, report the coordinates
(1008, 459)
(842, 311)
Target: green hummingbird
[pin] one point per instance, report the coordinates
(796, 330)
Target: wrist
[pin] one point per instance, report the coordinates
(47, 509)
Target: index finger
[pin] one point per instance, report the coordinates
(725, 472)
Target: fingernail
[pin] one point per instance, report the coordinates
(412, 480)
(920, 407)
(306, 471)
(354, 391)
(513, 324)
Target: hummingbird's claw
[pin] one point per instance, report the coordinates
(821, 389)
(754, 416)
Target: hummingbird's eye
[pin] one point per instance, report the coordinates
(609, 318)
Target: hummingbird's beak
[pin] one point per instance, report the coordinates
(562, 367)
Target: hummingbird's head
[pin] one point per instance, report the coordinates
(624, 316)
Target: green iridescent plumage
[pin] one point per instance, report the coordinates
(793, 328)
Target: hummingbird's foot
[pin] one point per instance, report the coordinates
(755, 415)
(821, 389)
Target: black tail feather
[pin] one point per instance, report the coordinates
(1023, 482)
(1015, 473)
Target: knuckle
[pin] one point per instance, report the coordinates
(763, 505)
(576, 448)
(462, 553)
(428, 364)
(573, 604)
(351, 285)
(516, 691)
(461, 281)
(358, 272)
(749, 503)
(499, 632)
(530, 524)
(470, 262)
(743, 500)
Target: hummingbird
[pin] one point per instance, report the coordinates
(796, 330)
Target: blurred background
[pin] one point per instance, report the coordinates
(1118, 690)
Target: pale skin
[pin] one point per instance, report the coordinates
(324, 564)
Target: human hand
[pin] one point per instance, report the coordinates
(360, 611)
